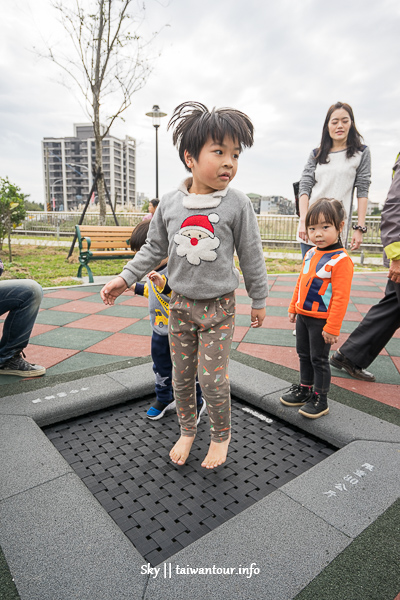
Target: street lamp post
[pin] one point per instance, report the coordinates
(53, 200)
(156, 115)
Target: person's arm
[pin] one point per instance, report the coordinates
(247, 241)
(292, 306)
(362, 183)
(390, 225)
(307, 182)
(341, 278)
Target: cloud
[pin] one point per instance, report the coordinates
(284, 63)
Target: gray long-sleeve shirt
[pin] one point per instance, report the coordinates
(200, 233)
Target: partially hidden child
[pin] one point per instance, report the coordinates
(158, 292)
(199, 226)
(318, 306)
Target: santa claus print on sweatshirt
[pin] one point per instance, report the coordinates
(196, 238)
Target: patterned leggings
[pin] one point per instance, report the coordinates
(200, 334)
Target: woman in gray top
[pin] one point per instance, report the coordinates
(340, 164)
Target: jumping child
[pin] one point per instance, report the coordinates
(199, 226)
(319, 302)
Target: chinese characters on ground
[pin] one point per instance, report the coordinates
(350, 480)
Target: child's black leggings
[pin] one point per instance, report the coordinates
(313, 353)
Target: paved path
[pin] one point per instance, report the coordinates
(75, 331)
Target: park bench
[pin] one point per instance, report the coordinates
(102, 243)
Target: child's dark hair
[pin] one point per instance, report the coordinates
(139, 235)
(332, 210)
(155, 202)
(194, 124)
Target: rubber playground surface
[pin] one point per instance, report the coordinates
(76, 335)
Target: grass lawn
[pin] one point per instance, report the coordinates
(48, 265)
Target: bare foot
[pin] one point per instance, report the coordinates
(180, 451)
(216, 455)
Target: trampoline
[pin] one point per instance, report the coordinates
(122, 457)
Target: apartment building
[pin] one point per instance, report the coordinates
(68, 168)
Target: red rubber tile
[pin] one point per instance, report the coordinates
(243, 309)
(357, 293)
(102, 323)
(280, 355)
(283, 288)
(397, 334)
(278, 301)
(69, 294)
(135, 301)
(363, 308)
(239, 333)
(80, 306)
(47, 356)
(240, 292)
(123, 344)
(396, 360)
(271, 322)
(39, 328)
(294, 278)
(353, 316)
(382, 392)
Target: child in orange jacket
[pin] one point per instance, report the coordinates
(319, 302)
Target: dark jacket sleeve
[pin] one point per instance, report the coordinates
(390, 224)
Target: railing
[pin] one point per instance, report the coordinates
(274, 229)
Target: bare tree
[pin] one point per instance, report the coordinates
(109, 61)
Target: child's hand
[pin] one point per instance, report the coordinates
(329, 338)
(292, 317)
(156, 278)
(133, 288)
(257, 317)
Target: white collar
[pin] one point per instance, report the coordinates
(200, 200)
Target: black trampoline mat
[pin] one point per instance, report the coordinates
(123, 458)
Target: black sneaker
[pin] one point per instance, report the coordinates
(339, 361)
(200, 409)
(316, 407)
(17, 365)
(296, 396)
(157, 410)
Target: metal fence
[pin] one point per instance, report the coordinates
(274, 229)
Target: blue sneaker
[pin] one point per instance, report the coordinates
(200, 409)
(157, 410)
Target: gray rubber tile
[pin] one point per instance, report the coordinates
(351, 488)
(71, 549)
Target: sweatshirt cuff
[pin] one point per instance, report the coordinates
(393, 251)
(258, 304)
(128, 277)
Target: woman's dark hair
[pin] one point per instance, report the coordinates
(353, 141)
(332, 210)
(139, 235)
(155, 202)
(194, 124)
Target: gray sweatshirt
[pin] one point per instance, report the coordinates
(199, 234)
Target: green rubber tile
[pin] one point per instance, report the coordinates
(50, 302)
(71, 339)
(280, 294)
(382, 367)
(83, 360)
(368, 569)
(364, 300)
(130, 312)
(139, 328)
(365, 288)
(234, 345)
(284, 282)
(351, 307)
(52, 317)
(277, 311)
(348, 326)
(243, 320)
(6, 379)
(270, 337)
(243, 300)
(393, 347)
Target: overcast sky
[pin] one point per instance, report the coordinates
(282, 62)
